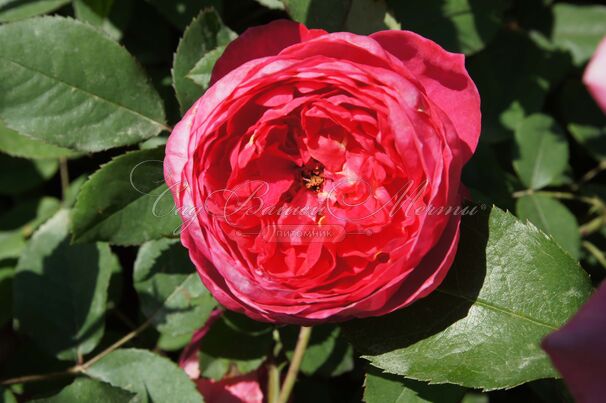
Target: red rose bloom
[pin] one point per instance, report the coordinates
(317, 177)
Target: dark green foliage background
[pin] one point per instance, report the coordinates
(84, 262)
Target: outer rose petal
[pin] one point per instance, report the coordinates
(595, 75)
(238, 389)
(444, 77)
(261, 41)
(189, 359)
(578, 350)
(176, 152)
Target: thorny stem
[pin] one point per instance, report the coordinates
(42, 377)
(596, 252)
(592, 226)
(595, 171)
(119, 343)
(295, 364)
(593, 201)
(78, 369)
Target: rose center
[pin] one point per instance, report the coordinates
(312, 175)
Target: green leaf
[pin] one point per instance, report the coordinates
(169, 288)
(542, 151)
(457, 25)
(358, 16)
(473, 397)
(17, 145)
(552, 217)
(7, 396)
(169, 342)
(65, 83)
(366, 17)
(328, 353)
(202, 71)
(578, 28)
(60, 290)
(249, 344)
(89, 390)
(272, 4)
(126, 202)
(13, 10)
(18, 224)
(486, 179)
(528, 75)
(151, 377)
(584, 119)
(7, 273)
(18, 175)
(205, 34)
(386, 388)
(181, 12)
(110, 16)
(510, 285)
(12, 244)
(154, 142)
(69, 199)
(328, 15)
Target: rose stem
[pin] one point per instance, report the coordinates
(594, 172)
(78, 369)
(273, 370)
(295, 364)
(64, 173)
(273, 383)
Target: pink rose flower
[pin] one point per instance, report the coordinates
(189, 359)
(595, 75)
(318, 177)
(235, 389)
(578, 350)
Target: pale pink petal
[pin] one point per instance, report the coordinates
(189, 358)
(238, 389)
(595, 75)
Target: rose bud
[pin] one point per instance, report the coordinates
(318, 178)
(578, 350)
(595, 75)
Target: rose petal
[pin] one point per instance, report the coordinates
(238, 389)
(444, 77)
(189, 358)
(595, 75)
(261, 41)
(578, 350)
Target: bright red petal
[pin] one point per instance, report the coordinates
(444, 77)
(261, 41)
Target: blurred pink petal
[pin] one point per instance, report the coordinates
(595, 75)
(238, 389)
(578, 350)
(189, 358)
